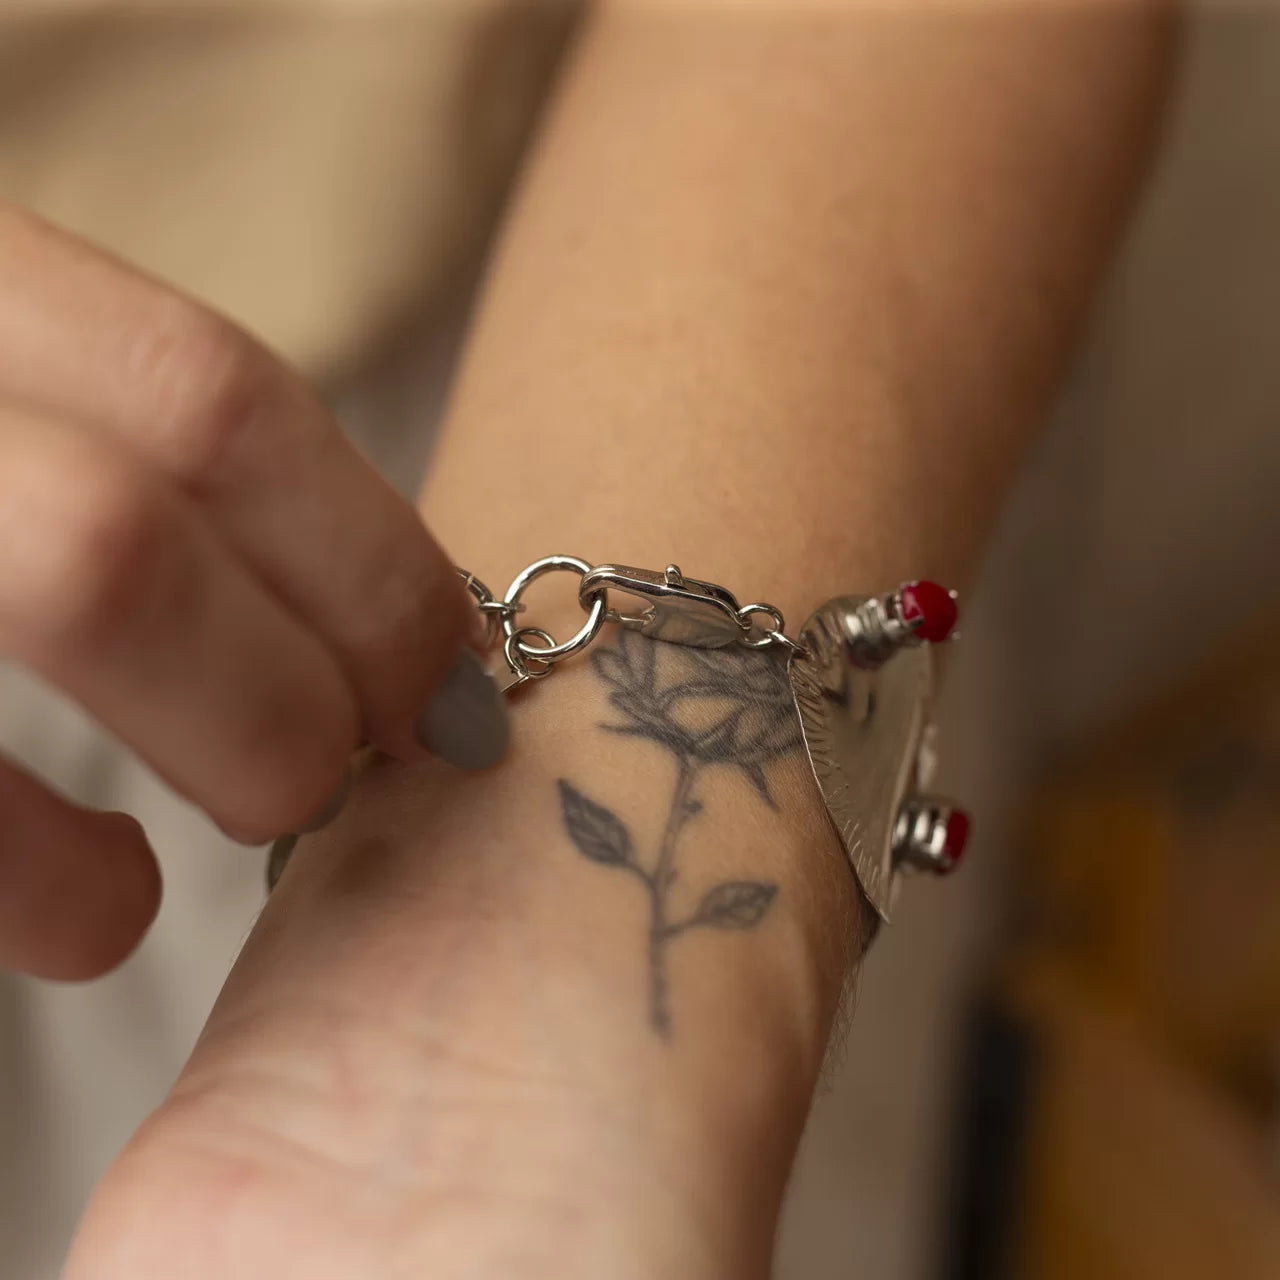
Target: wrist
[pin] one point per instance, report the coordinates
(505, 964)
(502, 961)
(443, 1030)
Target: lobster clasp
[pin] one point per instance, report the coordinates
(671, 607)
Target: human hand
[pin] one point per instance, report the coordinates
(195, 554)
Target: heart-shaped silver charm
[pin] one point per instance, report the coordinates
(865, 727)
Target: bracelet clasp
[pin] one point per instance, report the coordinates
(674, 608)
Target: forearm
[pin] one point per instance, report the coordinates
(785, 292)
(782, 299)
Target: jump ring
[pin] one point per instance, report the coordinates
(765, 639)
(519, 655)
(485, 602)
(586, 634)
(479, 591)
(781, 637)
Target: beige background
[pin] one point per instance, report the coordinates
(1146, 522)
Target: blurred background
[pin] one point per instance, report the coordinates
(1067, 1065)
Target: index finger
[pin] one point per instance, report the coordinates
(87, 337)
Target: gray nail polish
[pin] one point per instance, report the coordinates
(465, 722)
(331, 808)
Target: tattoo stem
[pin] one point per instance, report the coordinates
(730, 709)
(659, 883)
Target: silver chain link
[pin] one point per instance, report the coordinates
(706, 615)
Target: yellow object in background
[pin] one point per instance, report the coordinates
(1124, 1109)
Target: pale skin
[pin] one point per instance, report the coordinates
(144, 444)
(770, 303)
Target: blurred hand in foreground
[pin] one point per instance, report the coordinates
(195, 553)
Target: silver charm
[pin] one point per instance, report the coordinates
(864, 708)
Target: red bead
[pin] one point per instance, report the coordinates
(956, 838)
(932, 605)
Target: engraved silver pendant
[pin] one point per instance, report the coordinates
(862, 684)
(864, 727)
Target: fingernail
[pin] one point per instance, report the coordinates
(278, 859)
(465, 722)
(330, 809)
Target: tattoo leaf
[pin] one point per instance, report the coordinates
(735, 904)
(730, 709)
(599, 834)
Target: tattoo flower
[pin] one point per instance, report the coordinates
(724, 707)
(728, 706)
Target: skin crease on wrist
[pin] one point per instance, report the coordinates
(771, 305)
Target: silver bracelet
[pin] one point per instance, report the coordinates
(861, 675)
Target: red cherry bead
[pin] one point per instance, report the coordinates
(932, 605)
(959, 825)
